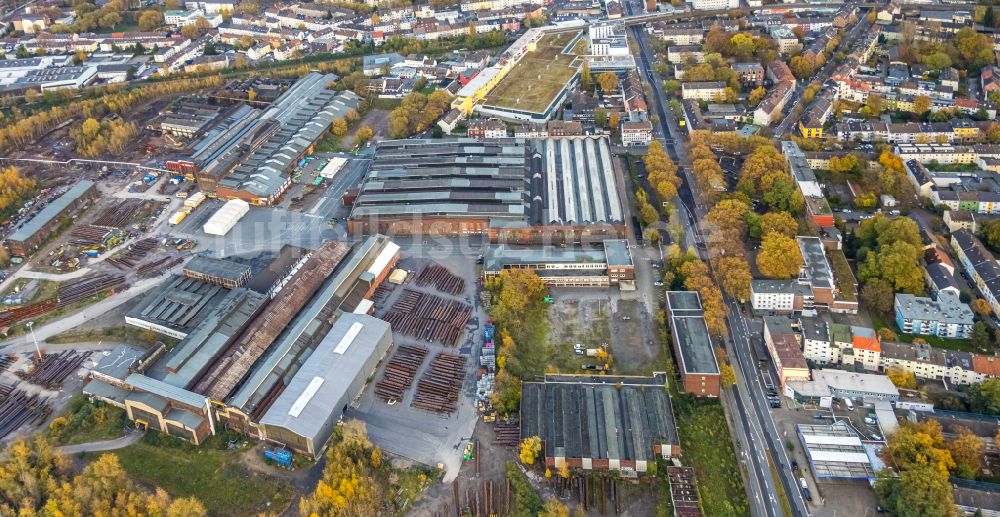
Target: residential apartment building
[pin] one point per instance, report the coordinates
(703, 90)
(637, 133)
(930, 363)
(980, 265)
(783, 344)
(779, 296)
(944, 317)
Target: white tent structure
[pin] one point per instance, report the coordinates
(222, 221)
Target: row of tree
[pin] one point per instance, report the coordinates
(417, 112)
(922, 462)
(35, 480)
(93, 138)
(888, 251)
(14, 189)
(21, 131)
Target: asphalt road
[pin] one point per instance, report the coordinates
(755, 428)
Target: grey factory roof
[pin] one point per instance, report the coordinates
(180, 305)
(50, 212)
(218, 268)
(185, 417)
(263, 280)
(540, 181)
(836, 451)
(499, 256)
(761, 285)
(946, 309)
(816, 267)
(205, 342)
(286, 354)
(162, 389)
(617, 252)
(101, 389)
(690, 332)
(117, 362)
(306, 404)
(303, 112)
(597, 421)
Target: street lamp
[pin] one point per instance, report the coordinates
(31, 324)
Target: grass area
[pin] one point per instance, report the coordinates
(538, 78)
(212, 475)
(842, 275)
(123, 334)
(786, 507)
(960, 345)
(44, 289)
(84, 421)
(707, 446)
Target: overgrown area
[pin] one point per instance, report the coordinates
(85, 421)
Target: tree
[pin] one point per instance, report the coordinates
(921, 104)
(981, 307)
(600, 117)
(364, 134)
(613, 121)
(989, 231)
(779, 257)
(756, 96)
(733, 273)
(989, 17)
(553, 508)
(531, 447)
(902, 378)
(339, 127)
(919, 491)
(730, 215)
(586, 80)
(985, 397)
(967, 450)
(150, 19)
(778, 222)
(877, 295)
(980, 335)
(937, 61)
(608, 81)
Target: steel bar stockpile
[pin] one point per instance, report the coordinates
(118, 216)
(76, 290)
(6, 361)
(158, 267)
(53, 368)
(19, 409)
(400, 371)
(15, 315)
(437, 389)
(441, 279)
(508, 433)
(130, 258)
(429, 317)
(89, 234)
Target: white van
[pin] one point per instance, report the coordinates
(849, 404)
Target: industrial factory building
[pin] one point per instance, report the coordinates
(35, 231)
(693, 348)
(551, 190)
(565, 267)
(600, 423)
(252, 360)
(249, 154)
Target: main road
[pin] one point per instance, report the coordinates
(759, 439)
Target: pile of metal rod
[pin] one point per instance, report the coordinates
(488, 499)
(508, 432)
(399, 372)
(52, 369)
(129, 258)
(381, 293)
(89, 234)
(119, 215)
(20, 409)
(158, 267)
(437, 389)
(6, 361)
(429, 317)
(12, 316)
(76, 290)
(442, 280)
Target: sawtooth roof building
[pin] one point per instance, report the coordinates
(592, 423)
(512, 189)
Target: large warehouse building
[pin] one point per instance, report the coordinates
(566, 267)
(26, 239)
(618, 423)
(251, 153)
(251, 361)
(513, 190)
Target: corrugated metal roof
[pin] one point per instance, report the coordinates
(52, 211)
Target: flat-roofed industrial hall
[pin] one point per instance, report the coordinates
(512, 189)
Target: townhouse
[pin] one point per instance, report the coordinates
(980, 265)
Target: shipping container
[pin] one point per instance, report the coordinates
(177, 217)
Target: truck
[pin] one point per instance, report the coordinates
(177, 217)
(849, 404)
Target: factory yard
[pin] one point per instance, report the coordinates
(539, 77)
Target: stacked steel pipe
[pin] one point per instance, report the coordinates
(429, 317)
(437, 389)
(442, 280)
(400, 371)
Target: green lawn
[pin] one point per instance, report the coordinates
(123, 334)
(536, 80)
(707, 446)
(212, 475)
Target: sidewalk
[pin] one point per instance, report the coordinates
(105, 445)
